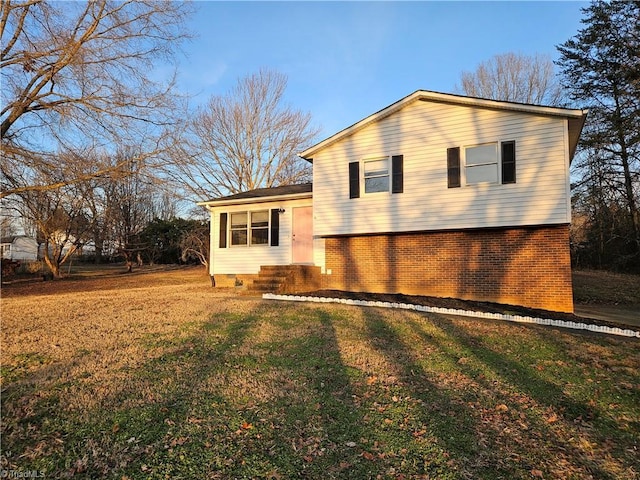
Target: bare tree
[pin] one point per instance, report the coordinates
(76, 74)
(195, 244)
(59, 217)
(513, 77)
(129, 206)
(244, 140)
(7, 222)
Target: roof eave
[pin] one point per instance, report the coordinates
(244, 201)
(426, 95)
(575, 126)
(308, 153)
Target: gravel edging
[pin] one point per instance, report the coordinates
(460, 312)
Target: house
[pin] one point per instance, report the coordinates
(263, 227)
(19, 247)
(436, 194)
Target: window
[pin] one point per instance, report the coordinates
(5, 250)
(239, 228)
(481, 164)
(249, 228)
(260, 228)
(376, 175)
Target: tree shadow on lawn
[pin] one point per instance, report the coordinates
(215, 403)
(135, 418)
(442, 416)
(536, 425)
(269, 393)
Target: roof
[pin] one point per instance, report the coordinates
(283, 192)
(576, 117)
(12, 238)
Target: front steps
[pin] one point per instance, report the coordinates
(286, 279)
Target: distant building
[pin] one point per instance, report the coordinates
(19, 247)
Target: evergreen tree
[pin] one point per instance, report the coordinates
(601, 70)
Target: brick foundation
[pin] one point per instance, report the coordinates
(518, 266)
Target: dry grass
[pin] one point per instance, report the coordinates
(157, 375)
(606, 288)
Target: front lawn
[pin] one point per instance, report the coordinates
(160, 377)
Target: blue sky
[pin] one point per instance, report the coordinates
(345, 61)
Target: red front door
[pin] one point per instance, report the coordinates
(302, 236)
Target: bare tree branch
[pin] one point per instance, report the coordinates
(79, 73)
(514, 77)
(244, 140)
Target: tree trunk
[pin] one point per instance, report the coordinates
(53, 265)
(628, 177)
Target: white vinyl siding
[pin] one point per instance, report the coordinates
(235, 260)
(22, 248)
(422, 132)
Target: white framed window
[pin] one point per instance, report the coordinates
(238, 229)
(260, 228)
(249, 228)
(376, 175)
(481, 164)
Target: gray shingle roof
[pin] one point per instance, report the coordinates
(283, 190)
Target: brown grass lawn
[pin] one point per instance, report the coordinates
(157, 375)
(606, 288)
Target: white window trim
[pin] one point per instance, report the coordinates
(363, 176)
(248, 229)
(230, 230)
(497, 163)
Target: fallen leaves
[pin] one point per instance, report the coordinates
(450, 398)
(368, 455)
(553, 418)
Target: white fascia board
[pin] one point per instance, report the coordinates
(243, 201)
(428, 96)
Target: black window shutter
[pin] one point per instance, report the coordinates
(275, 227)
(354, 180)
(509, 162)
(453, 167)
(397, 170)
(223, 230)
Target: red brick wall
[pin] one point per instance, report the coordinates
(517, 266)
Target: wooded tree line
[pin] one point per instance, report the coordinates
(93, 151)
(96, 153)
(599, 69)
